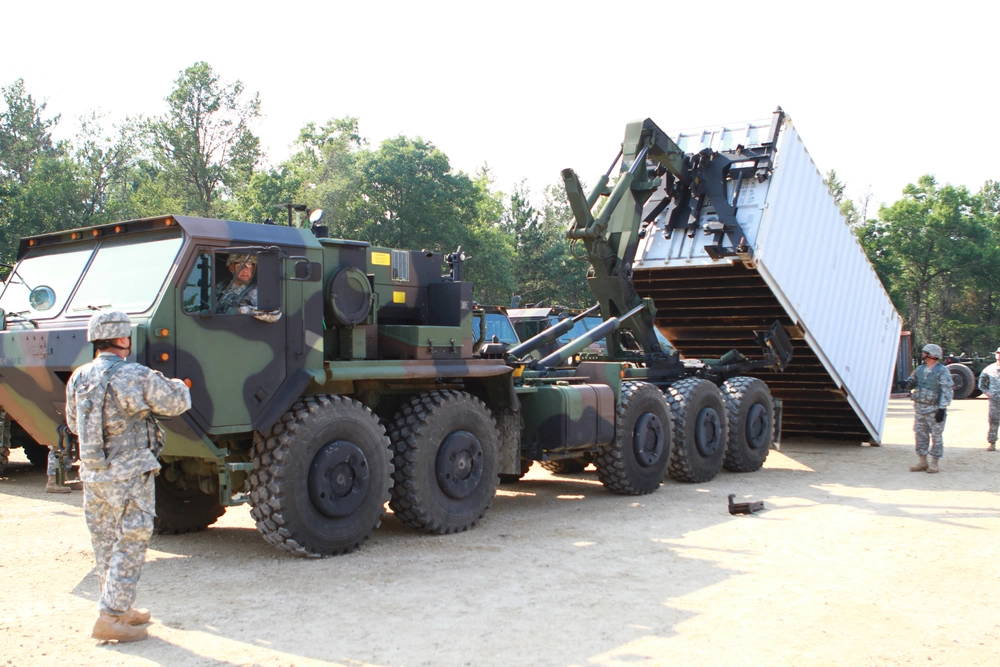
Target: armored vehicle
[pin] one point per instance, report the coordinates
(344, 375)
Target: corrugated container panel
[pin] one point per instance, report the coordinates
(808, 271)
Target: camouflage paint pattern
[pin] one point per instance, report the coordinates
(244, 373)
(562, 417)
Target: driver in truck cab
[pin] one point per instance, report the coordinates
(239, 295)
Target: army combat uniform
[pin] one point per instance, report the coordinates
(989, 383)
(236, 297)
(119, 443)
(932, 391)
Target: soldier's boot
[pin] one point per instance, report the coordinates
(991, 447)
(52, 486)
(921, 464)
(136, 616)
(109, 628)
(75, 485)
(932, 466)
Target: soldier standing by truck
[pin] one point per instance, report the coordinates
(989, 384)
(931, 393)
(110, 406)
(52, 473)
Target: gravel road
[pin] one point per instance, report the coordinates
(854, 561)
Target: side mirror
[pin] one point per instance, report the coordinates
(269, 280)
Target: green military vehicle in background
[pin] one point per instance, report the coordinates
(368, 388)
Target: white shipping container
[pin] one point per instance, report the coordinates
(805, 268)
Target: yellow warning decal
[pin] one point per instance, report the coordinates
(381, 259)
(398, 297)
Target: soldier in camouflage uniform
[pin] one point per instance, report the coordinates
(239, 295)
(110, 406)
(931, 392)
(989, 384)
(51, 472)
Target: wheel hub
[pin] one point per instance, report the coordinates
(647, 439)
(708, 432)
(459, 464)
(339, 478)
(758, 426)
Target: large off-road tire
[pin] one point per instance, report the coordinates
(964, 379)
(750, 409)
(184, 508)
(565, 466)
(700, 430)
(634, 463)
(36, 453)
(445, 455)
(321, 477)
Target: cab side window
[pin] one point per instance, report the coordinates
(236, 283)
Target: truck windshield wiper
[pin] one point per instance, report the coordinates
(14, 272)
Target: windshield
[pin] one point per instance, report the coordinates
(58, 268)
(126, 275)
(497, 325)
(579, 328)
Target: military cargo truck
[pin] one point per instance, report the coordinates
(350, 379)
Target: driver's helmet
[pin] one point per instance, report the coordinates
(105, 326)
(933, 350)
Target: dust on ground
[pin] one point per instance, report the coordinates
(854, 561)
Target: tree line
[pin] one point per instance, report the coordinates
(936, 249)
(200, 157)
(937, 252)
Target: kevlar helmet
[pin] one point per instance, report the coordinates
(105, 326)
(996, 350)
(242, 259)
(933, 350)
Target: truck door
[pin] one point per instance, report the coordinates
(232, 353)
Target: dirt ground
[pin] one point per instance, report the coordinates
(855, 561)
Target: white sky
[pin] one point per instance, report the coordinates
(880, 91)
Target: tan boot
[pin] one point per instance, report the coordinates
(110, 628)
(136, 616)
(921, 465)
(932, 467)
(991, 447)
(75, 485)
(52, 486)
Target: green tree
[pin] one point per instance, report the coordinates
(104, 160)
(204, 145)
(838, 190)
(25, 134)
(39, 191)
(929, 248)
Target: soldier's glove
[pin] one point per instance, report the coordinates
(939, 415)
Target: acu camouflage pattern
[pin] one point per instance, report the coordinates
(932, 391)
(118, 462)
(130, 439)
(989, 384)
(933, 388)
(242, 298)
(120, 516)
